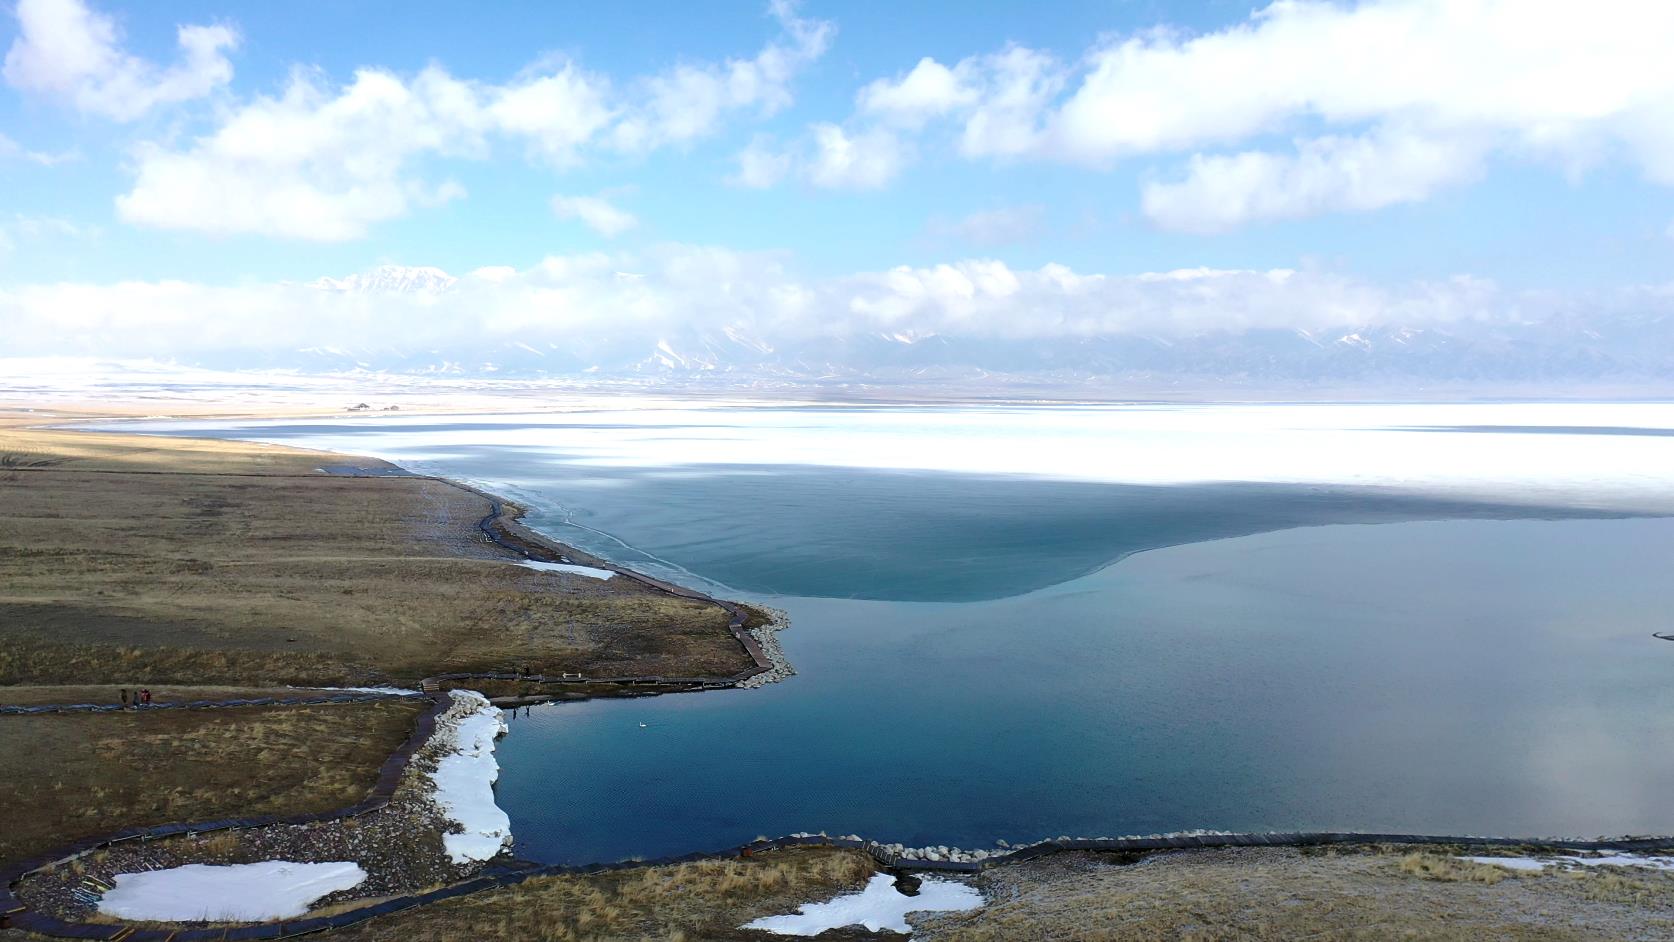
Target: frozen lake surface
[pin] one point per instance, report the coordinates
(1023, 622)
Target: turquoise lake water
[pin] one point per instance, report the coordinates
(990, 654)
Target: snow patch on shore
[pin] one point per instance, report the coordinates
(879, 906)
(588, 571)
(1609, 860)
(272, 889)
(384, 691)
(465, 779)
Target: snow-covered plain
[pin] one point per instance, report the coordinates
(272, 889)
(465, 780)
(1609, 860)
(879, 906)
(588, 571)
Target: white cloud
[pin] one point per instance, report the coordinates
(999, 98)
(596, 212)
(631, 299)
(759, 165)
(12, 150)
(22, 227)
(557, 110)
(828, 156)
(992, 227)
(1538, 69)
(1399, 99)
(66, 50)
(312, 163)
(1017, 83)
(929, 90)
(1327, 174)
(867, 160)
(689, 100)
(326, 162)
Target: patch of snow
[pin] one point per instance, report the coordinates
(879, 906)
(465, 780)
(386, 691)
(587, 571)
(272, 889)
(1609, 860)
(1624, 860)
(1510, 863)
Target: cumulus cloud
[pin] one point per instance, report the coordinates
(327, 162)
(1005, 119)
(760, 165)
(861, 161)
(1326, 174)
(828, 156)
(313, 163)
(929, 90)
(556, 107)
(688, 101)
(1000, 96)
(1395, 100)
(66, 50)
(636, 297)
(596, 212)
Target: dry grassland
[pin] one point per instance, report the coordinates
(139, 560)
(1282, 894)
(706, 900)
(64, 777)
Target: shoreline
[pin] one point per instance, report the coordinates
(749, 628)
(504, 519)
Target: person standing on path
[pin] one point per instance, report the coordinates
(124, 698)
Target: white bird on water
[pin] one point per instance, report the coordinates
(642, 726)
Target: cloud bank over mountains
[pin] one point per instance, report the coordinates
(680, 312)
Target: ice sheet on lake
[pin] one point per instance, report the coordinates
(272, 889)
(1609, 455)
(573, 570)
(879, 906)
(465, 780)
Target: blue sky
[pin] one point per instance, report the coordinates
(1527, 147)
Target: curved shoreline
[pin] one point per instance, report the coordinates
(502, 527)
(509, 532)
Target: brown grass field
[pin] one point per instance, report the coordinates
(691, 902)
(1284, 894)
(137, 560)
(64, 777)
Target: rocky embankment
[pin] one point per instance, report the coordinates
(768, 637)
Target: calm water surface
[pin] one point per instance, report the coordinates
(972, 666)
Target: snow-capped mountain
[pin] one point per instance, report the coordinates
(1624, 351)
(390, 279)
(1627, 353)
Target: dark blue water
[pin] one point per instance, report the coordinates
(972, 665)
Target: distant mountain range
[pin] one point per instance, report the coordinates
(1620, 351)
(1630, 354)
